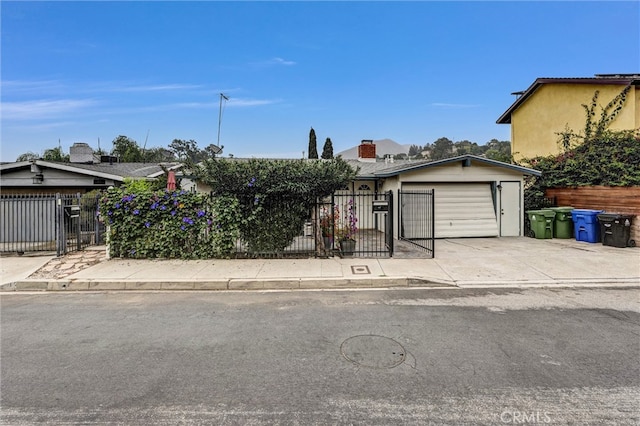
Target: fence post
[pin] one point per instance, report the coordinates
(96, 222)
(390, 222)
(78, 224)
(59, 219)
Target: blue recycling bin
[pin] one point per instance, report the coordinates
(585, 225)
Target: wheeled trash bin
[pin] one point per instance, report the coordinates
(563, 224)
(585, 225)
(541, 222)
(615, 229)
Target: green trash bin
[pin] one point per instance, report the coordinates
(563, 223)
(541, 222)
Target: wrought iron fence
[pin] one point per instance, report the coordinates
(344, 224)
(48, 222)
(357, 224)
(417, 219)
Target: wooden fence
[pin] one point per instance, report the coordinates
(624, 200)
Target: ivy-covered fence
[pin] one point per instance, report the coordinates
(256, 208)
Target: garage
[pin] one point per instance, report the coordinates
(473, 196)
(461, 209)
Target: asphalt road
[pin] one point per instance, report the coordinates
(382, 357)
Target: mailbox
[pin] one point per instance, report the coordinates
(72, 211)
(380, 206)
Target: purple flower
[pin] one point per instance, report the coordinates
(173, 212)
(201, 213)
(136, 212)
(154, 206)
(147, 224)
(109, 213)
(117, 206)
(163, 208)
(183, 227)
(187, 220)
(252, 182)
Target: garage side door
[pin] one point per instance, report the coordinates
(462, 210)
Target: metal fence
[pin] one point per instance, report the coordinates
(48, 222)
(366, 218)
(321, 232)
(417, 219)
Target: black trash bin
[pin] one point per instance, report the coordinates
(615, 229)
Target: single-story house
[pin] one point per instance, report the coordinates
(473, 196)
(84, 172)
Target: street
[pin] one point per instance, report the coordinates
(369, 357)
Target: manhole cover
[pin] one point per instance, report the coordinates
(373, 351)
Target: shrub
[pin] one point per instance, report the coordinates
(147, 224)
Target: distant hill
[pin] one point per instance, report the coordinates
(383, 147)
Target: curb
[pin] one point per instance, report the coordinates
(222, 284)
(239, 284)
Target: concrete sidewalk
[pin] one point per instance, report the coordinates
(468, 262)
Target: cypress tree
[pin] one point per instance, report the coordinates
(313, 148)
(327, 150)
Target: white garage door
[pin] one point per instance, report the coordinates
(462, 210)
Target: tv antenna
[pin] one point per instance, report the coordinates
(226, 98)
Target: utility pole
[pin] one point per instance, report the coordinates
(222, 96)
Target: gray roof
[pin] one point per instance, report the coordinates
(115, 171)
(382, 169)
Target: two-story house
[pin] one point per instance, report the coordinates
(551, 105)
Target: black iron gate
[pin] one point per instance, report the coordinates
(357, 224)
(49, 222)
(417, 219)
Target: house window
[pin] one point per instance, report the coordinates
(364, 187)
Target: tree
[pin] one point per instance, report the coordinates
(327, 149)
(126, 149)
(442, 148)
(55, 154)
(186, 150)
(313, 148)
(27, 156)
(415, 150)
(158, 155)
(499, 150)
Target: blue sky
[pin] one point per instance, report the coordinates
(408, 71)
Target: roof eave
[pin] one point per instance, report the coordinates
(524, 170)
(505, 118)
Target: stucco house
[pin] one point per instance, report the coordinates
(474, 196)
(550, 105)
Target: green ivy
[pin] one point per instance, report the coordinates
(613, 159)
(274, 197)
(161, 224)
(260, 204)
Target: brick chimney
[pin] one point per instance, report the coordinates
(367, 151)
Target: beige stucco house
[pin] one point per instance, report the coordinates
(551, 105)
